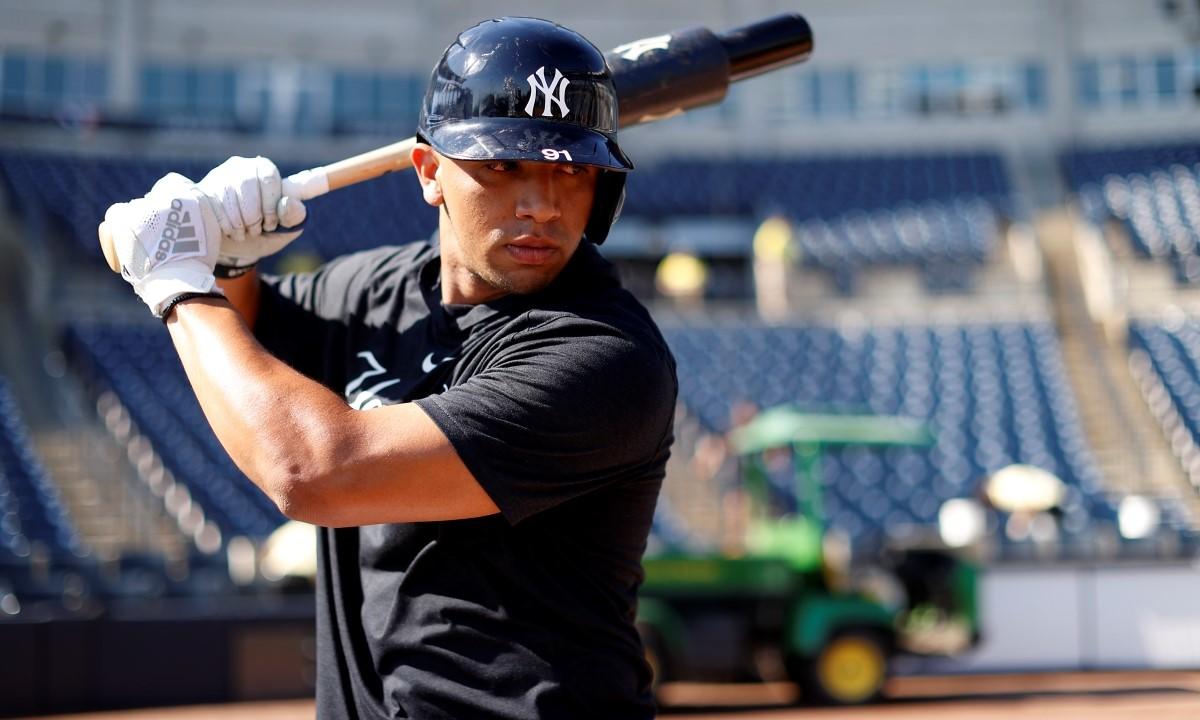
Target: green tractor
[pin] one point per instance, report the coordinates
(791, 604)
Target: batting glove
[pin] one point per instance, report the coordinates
(166, 242)
(246, 195)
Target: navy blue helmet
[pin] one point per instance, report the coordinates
(529, 89)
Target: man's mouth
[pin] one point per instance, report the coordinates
(532, 250)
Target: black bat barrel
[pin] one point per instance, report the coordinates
(660, 76)
(766, 45)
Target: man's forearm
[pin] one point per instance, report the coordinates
(280, 427)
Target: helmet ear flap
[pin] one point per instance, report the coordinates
(606, 206)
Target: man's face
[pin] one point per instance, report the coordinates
(510, 226)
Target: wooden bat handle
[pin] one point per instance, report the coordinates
(370, 164)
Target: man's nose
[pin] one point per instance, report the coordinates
(539, 200)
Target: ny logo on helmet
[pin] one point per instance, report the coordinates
(537, 82)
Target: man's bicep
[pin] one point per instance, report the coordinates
(401, 467)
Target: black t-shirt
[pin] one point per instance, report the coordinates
(561, 405)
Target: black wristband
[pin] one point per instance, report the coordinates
(166, 311)
(227, 272)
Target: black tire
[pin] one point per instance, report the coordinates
(850, 669)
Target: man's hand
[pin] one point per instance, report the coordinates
(166, 242)
(246, 195)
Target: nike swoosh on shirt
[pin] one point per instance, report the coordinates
(428, 364)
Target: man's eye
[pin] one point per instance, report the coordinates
(572, 169)
(502, 166)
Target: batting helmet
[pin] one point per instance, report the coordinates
(529, 89)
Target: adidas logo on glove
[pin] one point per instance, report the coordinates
(178, 238)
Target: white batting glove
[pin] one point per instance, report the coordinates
(246, 194)
(166, 242)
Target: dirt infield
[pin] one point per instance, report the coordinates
(1063, 696)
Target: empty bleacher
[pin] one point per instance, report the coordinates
(139, 365)
(32, 512)
(939, 215)
(1153, 191)
(945, 241)
(74, 192)
(1139, 213)
(994, 394)
(936, 212)
(39, 547)
(815, 187)
(1168, 353)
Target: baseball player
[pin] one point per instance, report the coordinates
(479, 423)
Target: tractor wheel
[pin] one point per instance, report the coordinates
(849, 670)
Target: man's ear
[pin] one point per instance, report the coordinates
(426, 162)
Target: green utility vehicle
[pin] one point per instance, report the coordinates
(793, 604)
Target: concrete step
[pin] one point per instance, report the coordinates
(1131, 452)
(112, 512)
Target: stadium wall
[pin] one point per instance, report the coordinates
(1062, 617)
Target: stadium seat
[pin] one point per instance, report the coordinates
(1153, 190)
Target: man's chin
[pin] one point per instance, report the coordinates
(529, 285)
(517, 283)
(525, 280)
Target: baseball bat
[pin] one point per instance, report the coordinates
(655, 78)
